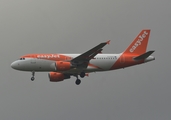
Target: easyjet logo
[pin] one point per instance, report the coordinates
(48, 56)
(139, 41)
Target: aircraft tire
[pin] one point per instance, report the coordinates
(82, 74)
(78, 81)
(32, 78)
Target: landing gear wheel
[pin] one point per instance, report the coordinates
(78, 81)
(82, 74)
(32, 78)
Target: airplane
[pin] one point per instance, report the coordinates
(63, 66)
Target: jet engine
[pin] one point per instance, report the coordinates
(57, 77)
(61, 66)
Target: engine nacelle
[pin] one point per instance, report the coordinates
(57, 77)
(61, 66)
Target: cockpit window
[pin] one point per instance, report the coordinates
(22, 58)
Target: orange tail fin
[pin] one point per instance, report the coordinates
(139, 45)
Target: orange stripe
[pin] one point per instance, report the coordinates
(125, 60)
(94, 66)
(54, 57)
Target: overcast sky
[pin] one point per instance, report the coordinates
(141, 92)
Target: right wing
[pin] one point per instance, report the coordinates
(83, 59)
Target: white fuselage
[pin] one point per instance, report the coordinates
(101, 62)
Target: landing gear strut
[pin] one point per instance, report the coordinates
(32, 78)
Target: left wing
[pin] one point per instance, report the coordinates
(144, 56)
(83, 59)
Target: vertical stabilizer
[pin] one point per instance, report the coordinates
(139, 45)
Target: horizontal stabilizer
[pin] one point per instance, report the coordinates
(144, 56)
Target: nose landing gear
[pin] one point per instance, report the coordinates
(32, 78)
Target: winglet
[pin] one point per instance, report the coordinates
(108, 42)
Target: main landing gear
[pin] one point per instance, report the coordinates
(82, 74)
(78, 81)
(32, 78)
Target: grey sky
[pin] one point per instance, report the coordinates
(74, 26)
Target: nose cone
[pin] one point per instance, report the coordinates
(15, 65)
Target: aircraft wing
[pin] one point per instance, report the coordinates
(144, 56)
(83, 59)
